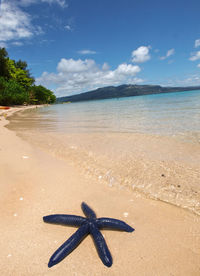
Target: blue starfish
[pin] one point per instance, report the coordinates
(89, 225)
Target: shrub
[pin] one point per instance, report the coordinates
(16, 84)
(41, 95)
(12, 93)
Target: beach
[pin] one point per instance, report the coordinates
(36, 182)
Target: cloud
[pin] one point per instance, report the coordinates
(198, 65)
(3, 44)
(61, 3)
(79, 75)
(195, 56)
(86, 52)
(197, 43)
(17, 43)
(25, 3)
(127, 69)
(105, 66)
(168, 54)
(191, 80)
(141, 54)
(75, 66)
(14, 23)
(70, 24)
(68, 27)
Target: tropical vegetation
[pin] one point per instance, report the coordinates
(17, 86)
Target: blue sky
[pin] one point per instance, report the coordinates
(73, 46)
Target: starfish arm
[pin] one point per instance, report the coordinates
(67, 247)
(101, 246)
(89, 213)
(65, 220)
(115, 224)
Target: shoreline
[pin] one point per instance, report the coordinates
(159, 167)
(34, 184)
(5, 113)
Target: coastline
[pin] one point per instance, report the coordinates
(34, 184)
(5, 113)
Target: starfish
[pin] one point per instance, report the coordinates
(89, 225)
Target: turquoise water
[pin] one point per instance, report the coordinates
(125, 143)
(164, 114)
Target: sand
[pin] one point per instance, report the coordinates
(33, 184)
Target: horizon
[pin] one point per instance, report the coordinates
(72, 47)
(115, 86)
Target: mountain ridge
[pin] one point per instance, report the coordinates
(124, 90)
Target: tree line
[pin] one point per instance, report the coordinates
(17, 86)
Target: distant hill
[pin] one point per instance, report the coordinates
(123, 91)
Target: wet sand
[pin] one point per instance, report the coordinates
(160, 167)
(34, 183)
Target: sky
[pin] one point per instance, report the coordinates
(73, 46)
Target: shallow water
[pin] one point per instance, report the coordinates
(163, 114)
(148, 144)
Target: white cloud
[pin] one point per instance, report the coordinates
(141, 54)
(127, 69)
(17, 43)
(3, 44)
(192, 80)
(14, 23)
(86, 52)
(68, 28)
(75, 76)
(61, 3)
(198, 65)
(25, 3)
(76, 66)
(197, 43)
(195, 56)
(70, 24)
(168, 54)
(105, 66)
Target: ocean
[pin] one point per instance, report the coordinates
(147, 144)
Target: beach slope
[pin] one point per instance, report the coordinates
(166, 240)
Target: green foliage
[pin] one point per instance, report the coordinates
(12, 93)
(3, 63)
(16, 84)
(23, 79)
(18, 74)
(22, 67)
(21, 64)
(2, 87)
(11, 69)
(40, 95)
(2, 83)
